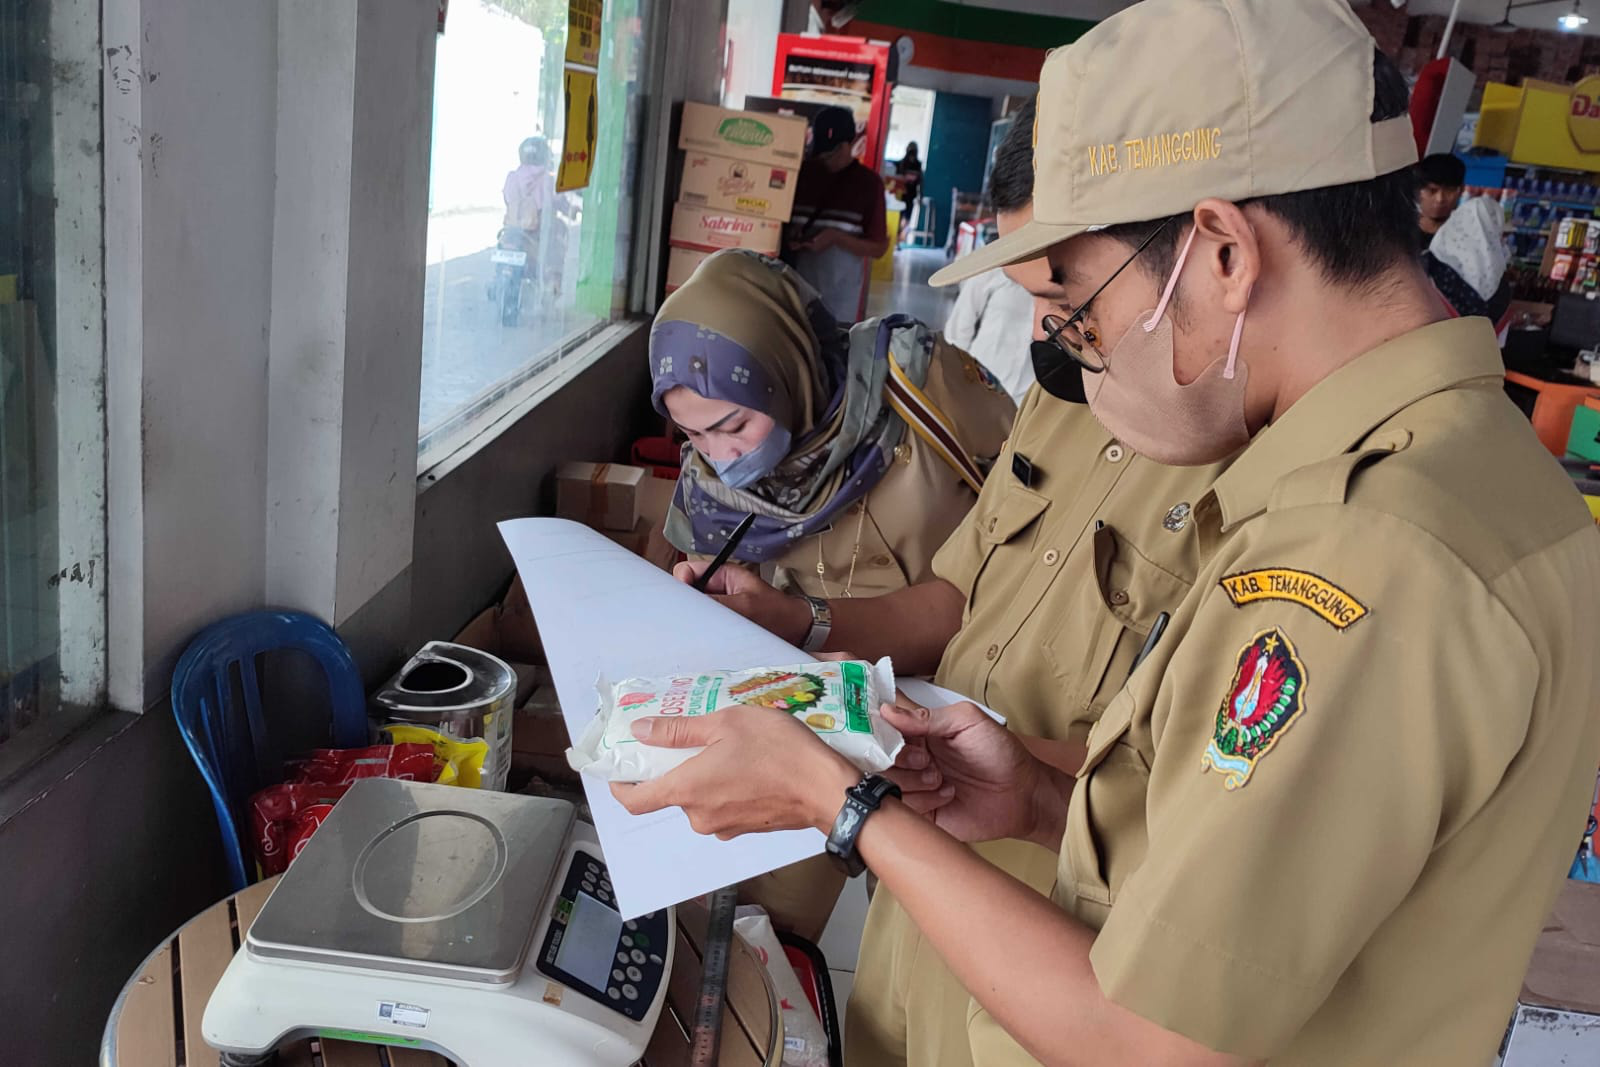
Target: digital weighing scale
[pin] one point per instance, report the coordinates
(475, 924)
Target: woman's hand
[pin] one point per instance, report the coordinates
(741, 589)
(986, 785)
(761, 770)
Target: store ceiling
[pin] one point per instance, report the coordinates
(1485, 12)
(1488, 12)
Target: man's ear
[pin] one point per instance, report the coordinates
(1230, 249)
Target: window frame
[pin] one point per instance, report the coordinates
(79, 356)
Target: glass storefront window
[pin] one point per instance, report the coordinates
(519, 275)
(52, 458)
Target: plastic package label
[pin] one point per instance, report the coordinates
(838, 701)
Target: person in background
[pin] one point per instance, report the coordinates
(530, 188)
(1439, 182)
(993, 316)
(1466, 260)
(1039, 602)
(909, 171)
(839, 226)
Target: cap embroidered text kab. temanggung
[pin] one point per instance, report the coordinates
(1172, 101)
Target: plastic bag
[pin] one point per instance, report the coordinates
(283, 818)
(341, 766)
(461, 762)
(805, 1043)
(839, 701)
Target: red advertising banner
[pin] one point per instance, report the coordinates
(848, 72)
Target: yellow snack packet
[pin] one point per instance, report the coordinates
(461, 762)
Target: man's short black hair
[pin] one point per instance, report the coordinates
(1354, 232)
(1442, 169)
(1011, 176)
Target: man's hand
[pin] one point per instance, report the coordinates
(974, 779)
(820, 241)
(761, 770)
(742, 590)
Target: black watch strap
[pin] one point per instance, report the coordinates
(860, 801)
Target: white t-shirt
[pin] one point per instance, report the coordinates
(992, 320)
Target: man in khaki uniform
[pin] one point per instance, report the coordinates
(1324, 819)
(1042, 599)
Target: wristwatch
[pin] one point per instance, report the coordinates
(860, 800)
(821, 623)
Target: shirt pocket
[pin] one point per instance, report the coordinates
(1105, 620)
(1107, 805)
(1006, 525)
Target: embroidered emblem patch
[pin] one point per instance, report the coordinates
(976, 372)
(1267, 695)
(1327, 601)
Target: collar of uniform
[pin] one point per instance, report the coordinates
(1344, 407)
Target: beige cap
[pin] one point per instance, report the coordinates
(1172, 101)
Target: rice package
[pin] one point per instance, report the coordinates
(805, 1042)
(839, 701)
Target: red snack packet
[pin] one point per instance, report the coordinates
(283, 818)
(341, 766)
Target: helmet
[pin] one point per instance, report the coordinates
(534, 151)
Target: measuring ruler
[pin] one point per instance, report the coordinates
(714, 979)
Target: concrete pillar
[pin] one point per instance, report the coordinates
(354, 100)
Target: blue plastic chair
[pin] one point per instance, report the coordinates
(229, 742)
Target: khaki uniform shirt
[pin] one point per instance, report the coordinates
(1063, 579)
(1326, 819)
(889, 539)
(891, 536)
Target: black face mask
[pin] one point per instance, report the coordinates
(1058, 373)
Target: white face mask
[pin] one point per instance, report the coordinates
(1137, 397)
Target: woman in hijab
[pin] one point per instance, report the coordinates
(858, 449)
(1466, 260)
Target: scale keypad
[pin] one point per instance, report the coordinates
(637, 965)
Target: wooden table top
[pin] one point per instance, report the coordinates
(157, 1021)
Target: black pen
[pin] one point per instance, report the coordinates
(1157, 628)
(734, 538)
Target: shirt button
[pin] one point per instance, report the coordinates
(993, 651)
(992, 523)
(1050, 558)
(880, 561)
(1114, 454)
(1119, 597)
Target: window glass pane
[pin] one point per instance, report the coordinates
(51, 437)
(519, 274)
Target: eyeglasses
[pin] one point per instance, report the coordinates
(1078, 344)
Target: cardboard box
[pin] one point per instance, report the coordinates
(507, 630)
(648, 541)
(758, 137)
(681, 263)
(705, 229)
(765, 190)
(1558, 1014)
(602, 495)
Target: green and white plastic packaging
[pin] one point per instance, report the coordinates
(838, 701)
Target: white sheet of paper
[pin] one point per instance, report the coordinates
(603, 610)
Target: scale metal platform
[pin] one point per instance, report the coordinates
(475, 924)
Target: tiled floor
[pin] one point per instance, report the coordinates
(841, 941)
(910, 293)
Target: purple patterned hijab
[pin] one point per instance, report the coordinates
(747, 329)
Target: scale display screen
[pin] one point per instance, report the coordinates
(590, 940)
(589, 948)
